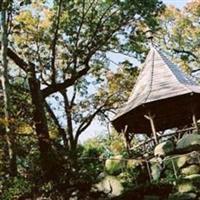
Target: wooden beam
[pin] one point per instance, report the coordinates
(153, 130)
(150, 118)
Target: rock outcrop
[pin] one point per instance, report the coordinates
(164, 148)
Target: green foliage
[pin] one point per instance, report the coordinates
(114, 165)
(15, 187)
(93, 148)
(178, 34)
(66, 37)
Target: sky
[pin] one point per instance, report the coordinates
(177, 3)
(96, 128)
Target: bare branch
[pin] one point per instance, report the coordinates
(88, 120)
(60, 129)
(74, 96)
(195, 70)
(53, 56)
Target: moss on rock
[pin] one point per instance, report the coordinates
(189, 143)
(155, 169)
(192, 169)
(194, 179)
(186, 187)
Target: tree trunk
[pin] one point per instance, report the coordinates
(72, 142)
(10, 139)
(39, 117)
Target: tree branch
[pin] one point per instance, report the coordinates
(86, 122)
(186, 52)
(99, 23)
(81, 24)
(53, 58)
(60, 129)
(195, 70)
(67, 83)
(18, 61)
(74, 96)
(69, 117)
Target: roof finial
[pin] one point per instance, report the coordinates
(149, 36)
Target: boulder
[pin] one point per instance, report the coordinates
(192, 169)
(110, 185)
(189, 183)
(114, 165)
(155, 169)
(189, 143)
(155, 172)
(194, 179)
(182, 196)
(186, 187)
(164, 148)
(189, 159)
(181, 161)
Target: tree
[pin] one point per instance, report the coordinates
(57, 46)
(82, 107)
(178, 35)
(9, 135)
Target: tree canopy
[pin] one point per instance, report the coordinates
(57, 78)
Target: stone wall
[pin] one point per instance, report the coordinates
(181, 160)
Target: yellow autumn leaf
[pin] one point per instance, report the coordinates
(24, 128)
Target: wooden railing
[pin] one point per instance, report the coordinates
(149, 144)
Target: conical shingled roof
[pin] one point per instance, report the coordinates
(160, 81)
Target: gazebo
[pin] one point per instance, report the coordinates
(163, 97)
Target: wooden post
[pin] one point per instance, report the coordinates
(127, 140)
(150, 118)
(194, 119)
